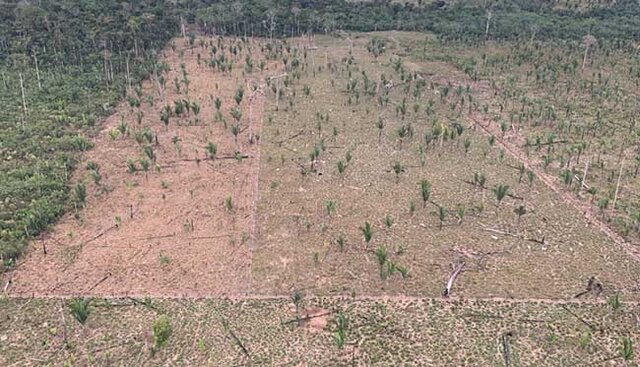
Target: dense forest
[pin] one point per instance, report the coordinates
(64, 65)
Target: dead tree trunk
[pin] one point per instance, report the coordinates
(456, 271)
(25, 112)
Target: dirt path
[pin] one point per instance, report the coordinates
(374, 298)
(256, 108)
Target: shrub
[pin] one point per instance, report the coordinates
(161, 331)
(80, 309)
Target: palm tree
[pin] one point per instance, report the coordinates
(330, 206)
(627, 349)
(566, 176)
(467, 145)
(195, 107)
(148, 151)
(402, 108)
(211, 149)
(187, 106)
(313, 155)
(521, 171)
(367, 232)
(388, 221)
(530, 176)
(80, 195)
(500, 191)
(397, 169)
(520, 211)
(340, 335)
(380, 126)
(382, 256)
(178, 107)
(425, 191)
(164, 117)
(479, 179)
(603, 204)
(239, 95)
(80, 309)
(235, 130)
(461, 211)
(341, 166)
(588, 41)
(217, 103)
(236, 114)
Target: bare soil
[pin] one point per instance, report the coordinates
(174, 236)
(166, 231)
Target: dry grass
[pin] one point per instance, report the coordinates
(384, 333)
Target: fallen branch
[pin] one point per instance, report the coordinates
(237, 340)
(590, 326)
(279, 142)
(208, 237)
(456, 271)
(546, 143)
(579, 179)
(99, 282)
(506, 350)
(530, 239)
(138, 302)
(488, 316)
(306, 318)
(100, 234)
(156, 237)
(593, 286)
(95, 351)
(243, 156)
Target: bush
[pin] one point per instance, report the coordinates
(161, 331)
(80, 309)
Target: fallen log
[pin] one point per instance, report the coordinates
(456, 271)
(506, 349)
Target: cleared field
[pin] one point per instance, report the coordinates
(311, 215)
(169, 204)
(315, 217)
(408, 332)
(344, 142)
